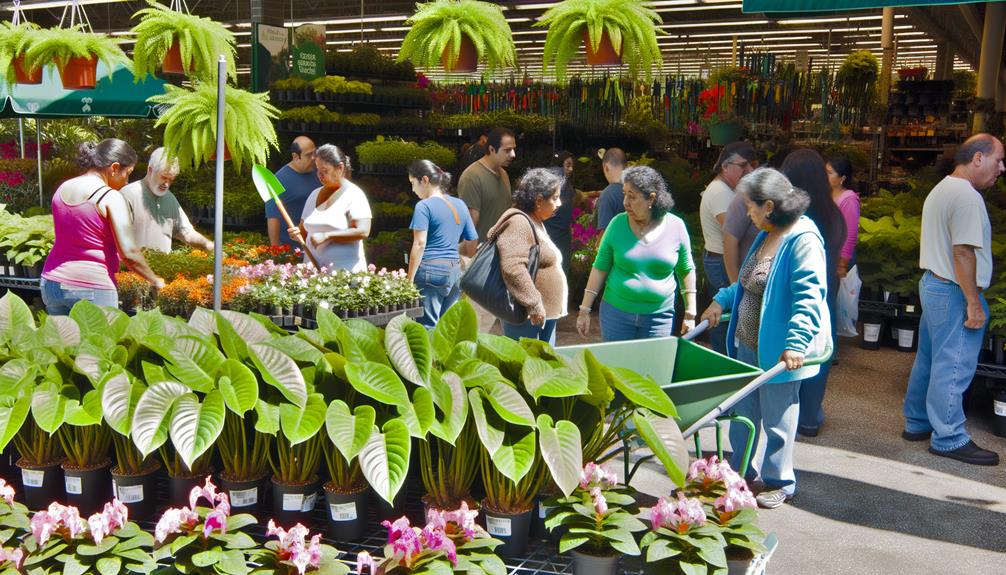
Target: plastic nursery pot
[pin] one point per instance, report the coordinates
(41, 484)
(79, 73)
(510, 528)
(23, 76)
(871, 332)
(587, 564)
(723, 134)
(180, 487)
(387, 512)
(172, 63)
(999, 410)
(907, 331)
(246, 495)
(294, 503)
(605, 54)
(538, 529)
(137, 492)
(88, 488)
(347, 512)
(468, 58)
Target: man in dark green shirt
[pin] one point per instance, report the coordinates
(485, 186)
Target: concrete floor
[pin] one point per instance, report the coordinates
(869, 502)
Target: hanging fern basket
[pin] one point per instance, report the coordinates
(79, 73)
(173, 61)
(468, 59)
(23, 76)
(605, 54)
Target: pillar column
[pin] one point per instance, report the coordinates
(991, 57)
(944, 62)
(272, 13)
(887, 63)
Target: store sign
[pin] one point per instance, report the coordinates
(309, 51)
(272, 55)
(830, 5)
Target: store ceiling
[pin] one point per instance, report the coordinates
(697, 34)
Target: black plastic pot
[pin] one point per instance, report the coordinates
(179, 488)
(246, 496)
(538, 530)
(999, 412)
(586, 564)
(872, 326)
(292, 504)
(347, 513)
(90, 488)
(41, 484)
(907, 330)
(137, 492)
(510, 528)
(386, 512)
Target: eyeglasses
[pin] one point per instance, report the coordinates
(740, 165)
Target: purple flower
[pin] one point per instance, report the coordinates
(600, 503)
(215, 521)
(734, 500)
(15, 556)
(294, 548)
(595, 475)
(207, 491)
(707, 472)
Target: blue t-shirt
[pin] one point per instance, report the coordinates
(610, 204)
(298, 187)
(443, 233)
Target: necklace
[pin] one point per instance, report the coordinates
(641, 231)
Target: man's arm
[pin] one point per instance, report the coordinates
(188, 234)
(274, 226)
(731, 255)
(965, 269)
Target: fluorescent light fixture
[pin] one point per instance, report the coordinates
(57, 4)
(518, 19)
(526, 32)
(357, 30)
(714, 24)
(801, 21)
(364, 20)
(542, 6)
(700, 7)
(368, 41)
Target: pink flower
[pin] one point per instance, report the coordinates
(403, 538)
(437, 540)
(600, 503)
(365, 561)
(6, 492)
(45, 523)
(15, 556)
(293, 548)
(710, 471)
(463, 518)
(42, 527)
(734, 500)
(371, 268)
(172, 522)
(680, 515)
(216, 520)
(207, 491)
(595, 475)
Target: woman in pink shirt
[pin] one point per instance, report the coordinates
(839, 170)
(93, 230)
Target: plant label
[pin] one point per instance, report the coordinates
(543, 510)
(293, 501)
(1000, 407)
(498, 526)
(129, 493)
(32, 477)
(343, 511)
(308, 505)
(906, 337)
(871, 332)
(73, 485)
(244, 497)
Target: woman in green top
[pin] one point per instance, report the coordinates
(644, 254)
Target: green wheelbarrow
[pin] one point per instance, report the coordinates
(703, 384)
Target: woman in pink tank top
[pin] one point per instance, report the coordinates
(93, 231)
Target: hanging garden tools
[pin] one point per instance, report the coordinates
(268, 187)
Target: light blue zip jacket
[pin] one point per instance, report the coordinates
(794, 309)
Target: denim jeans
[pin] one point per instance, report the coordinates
(59, 298)
(617, 325)
(812, 388)
(774, 406)
(440, 283)
(716, 278)
(543, 332)
(944, 364)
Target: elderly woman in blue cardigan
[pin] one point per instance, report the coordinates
(779, 313)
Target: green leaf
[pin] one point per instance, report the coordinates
(267, 418)
(17, 377)
(663, 436)
(203, 321)
(408, 347)
(490, 433)
(238, 385)
(510, 405)
(348, 431)
(193, 362)
(48, 407)
(206, 558)
(329, 324)
(68, 330)
(150, 420)
(384, 459)
(562, 452)
(515, 458)
(13, 413)
(109, 565)
(642, 391)
(119, 397)
(105, 546)
(503, 349)
(73, 566)
(281, 372)
(362, 341)
(297, 348)
(459, 323)
(15, 316)
(477, 373)
(302, 423)
(196, 426)
(249, 330)
(599, 392)
(89, 317)
(377, 381)
(571, 541)
(234, 347)
(85, 412)
(419, 414)
(449, 395)
(542, 380)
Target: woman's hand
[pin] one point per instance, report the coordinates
(712, 314)
(793, 359)
(583, 323)
(295, 235)
(687, 324)
(318, 238)
(536, 318)
(158, 283)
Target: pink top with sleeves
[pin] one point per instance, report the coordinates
(848, 204)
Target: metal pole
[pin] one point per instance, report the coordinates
(20, 131)
(887, 63)
(38, 154)
(218, 214)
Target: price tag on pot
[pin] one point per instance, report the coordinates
(244, 497)
(73, 486)
(309, 503)
(543, 510)
(1000, 407)
(293, 501)
(905, 337)
(32, 477)
(130, 493)
(871, 332)
(343, 511)
(498, 526)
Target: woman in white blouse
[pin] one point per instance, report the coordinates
(336, 216)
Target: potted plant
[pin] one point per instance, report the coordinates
(716, 104)
(296, 459)
(458, 34)
(14, 40)
(180, 43)
(613, 31)
(14, 524)
(856, 82)
(87, 443)
(190, 125)
(38, 446)
(681, 540)
(599, 518)
(291, 553)
(346, 493)
(75, 52)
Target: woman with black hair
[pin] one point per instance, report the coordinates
(560, 225)
(839, 170)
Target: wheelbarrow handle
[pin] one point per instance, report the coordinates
(702, 326)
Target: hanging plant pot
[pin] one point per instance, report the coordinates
(605, 54)
(137, 492)
(88, 488)
(587, 564)
(468, 58)
(42, 484)
(227, 154)
(723, 134)
(510, 528)
(180, 487)
(293, 503)
(22, 74)
(172, 63)
(347, 512)
(80, 73)
(246, 495)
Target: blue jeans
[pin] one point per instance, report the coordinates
(618, 325)
(776, 407)
(440, 283)
(944, 364)
(812, 388)
(716, 278)
(59, 298)
(543, 332)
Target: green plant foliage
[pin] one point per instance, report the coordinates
(197, 189)
(26, 240)
(190, 125)
(339, 85)
(200, 40)
(366, 61)
(439, 26)
(390, 152)
(856, 79)
(291, 83)
(888, 252)
(58, 45)
(14, 40)
(630, 24)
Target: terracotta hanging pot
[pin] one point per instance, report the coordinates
(227, 154)
(173, 61)
(23, 76)
(605, 54)
(80, 73)
(468, 59)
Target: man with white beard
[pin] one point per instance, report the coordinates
(157, 217)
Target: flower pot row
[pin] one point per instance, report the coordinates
(346, 128)
(309, 95)
(11, 269)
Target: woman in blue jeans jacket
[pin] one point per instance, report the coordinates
(779, 313)
(440, 223)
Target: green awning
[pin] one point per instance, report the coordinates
(832, 5)
(115, 97)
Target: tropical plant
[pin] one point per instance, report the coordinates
(396, 152)
(14, 524)
(190, 125)
(630, 25)
(200, 42)
(59, 45)
(887, 249)
(14, 40)
(439, 27)
(856, 81)
(293, 554)
(681, 540)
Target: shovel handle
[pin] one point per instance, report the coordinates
(290, 224)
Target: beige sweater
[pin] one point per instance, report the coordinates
(544, 295)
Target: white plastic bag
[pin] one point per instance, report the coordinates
(848, 303)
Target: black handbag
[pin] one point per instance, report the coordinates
(483, 281)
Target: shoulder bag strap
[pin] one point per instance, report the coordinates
(530, 223)
(457, 219)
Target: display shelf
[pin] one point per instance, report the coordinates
(10, 282)
(991, 370)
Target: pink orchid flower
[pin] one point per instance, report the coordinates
(15, 556)
(215, 521)
(56, 517)
(600, 503)
(6, 492)
(403, 538)
(596, 475)
(207, 491)
(680, 515)
(733, 501)
(437, 540)
(464, 518)
(172, 521)
(365, 561)
(293, 546)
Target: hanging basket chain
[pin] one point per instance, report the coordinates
(78, 17)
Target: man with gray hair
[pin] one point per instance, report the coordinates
(157, 216)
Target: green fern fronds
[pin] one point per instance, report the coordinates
(190, 125)
(14, 40)
(59, 45)
(630, 25)
(440, 24)
(200, 41)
